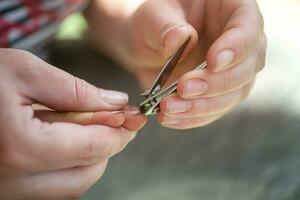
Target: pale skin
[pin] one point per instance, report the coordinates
(60, 151)
(229, 34)
(56, 153)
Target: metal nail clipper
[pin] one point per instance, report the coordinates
(157, 92)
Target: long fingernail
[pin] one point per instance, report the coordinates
(176, 106)
(194, 88)
(171, 121)
(224, 59)
(173, 38)
(114, 97)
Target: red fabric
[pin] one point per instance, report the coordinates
(35, 13)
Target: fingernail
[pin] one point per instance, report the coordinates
(194, 88)
(114, 97)
(171, 121)
(224, 59)
(172, 39)
(176, 106)
(132, 111)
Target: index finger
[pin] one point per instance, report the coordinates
(242, 34)
(134, 120)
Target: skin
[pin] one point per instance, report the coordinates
(228, 34)
(58, 148)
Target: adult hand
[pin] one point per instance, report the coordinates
(227, 33)
(56, 154)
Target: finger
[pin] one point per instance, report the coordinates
(63, 184)
(61, 91)
(207, 84)
(175, 106)
(106, 118)
(186, 123)
(134, 119)
(240, 36)
(63, 145)
(163, 28)
(130, 118)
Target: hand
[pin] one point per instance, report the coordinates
(227, 33)
(56, 154)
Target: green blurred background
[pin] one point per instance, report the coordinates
(251, 154)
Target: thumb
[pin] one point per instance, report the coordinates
(162, 26)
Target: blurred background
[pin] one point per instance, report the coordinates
(251, 154)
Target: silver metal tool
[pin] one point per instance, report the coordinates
(157, 92)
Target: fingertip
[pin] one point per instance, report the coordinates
(134, 120)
